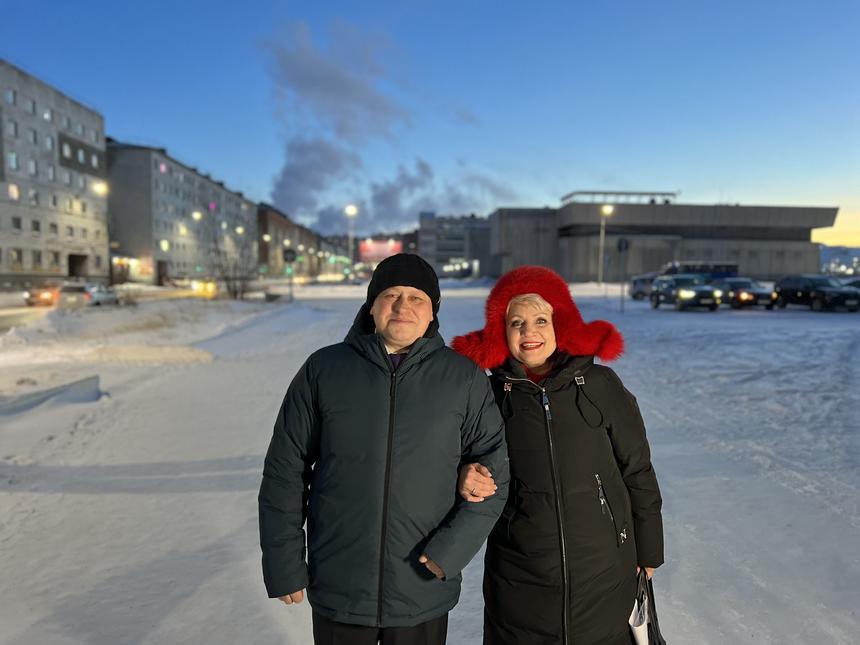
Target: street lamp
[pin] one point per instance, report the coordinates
(350, 211)
(605, 213)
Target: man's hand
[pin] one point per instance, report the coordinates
(434, 568)
(475, 483)
(649, 571)
(295, 597)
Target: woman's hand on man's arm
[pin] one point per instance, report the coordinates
(475, 483)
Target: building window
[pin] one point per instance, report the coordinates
(83, 209)
(94, 161)
(36, 226)
(54, 201)
(16, 223)
(67, 178)
(98, 234)
(13, 161)
(70, 231)
(94, 136)
(33, 136)
(98, 262)
(67, 123)
(81, 156)
(53, 229)
(52, 173)
(11, 96)
(30, 106)
(48, 115)
(32, 167)
(17, 256)
(69, 204)
(49, 142)
(37, 259)
(14, 192)
(55, 258)
(67, 151)
(33, 196)
(82, 182)
(79, 129)
(11, 128)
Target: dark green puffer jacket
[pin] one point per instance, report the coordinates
(369, 457)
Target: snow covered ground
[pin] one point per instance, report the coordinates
(130, 516)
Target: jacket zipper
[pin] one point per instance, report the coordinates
(392, 390)
(559, 510)
(605, 508)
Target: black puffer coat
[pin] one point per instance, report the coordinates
(583, 509)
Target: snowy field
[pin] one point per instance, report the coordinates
(128, 511)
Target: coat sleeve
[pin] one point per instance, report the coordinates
(283, 497)
(633, 456)
(456, 541)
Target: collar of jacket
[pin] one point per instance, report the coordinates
(370, 344)
(566, 370)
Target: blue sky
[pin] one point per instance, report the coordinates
(463, 107)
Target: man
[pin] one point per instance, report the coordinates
(366, 448)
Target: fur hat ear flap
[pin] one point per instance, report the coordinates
(474, 346)
(610, 343)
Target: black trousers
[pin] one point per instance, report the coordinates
(328, 632)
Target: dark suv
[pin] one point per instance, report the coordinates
(684, 290)
(819, 292)
(744, 292)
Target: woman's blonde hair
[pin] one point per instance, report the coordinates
(533, 299)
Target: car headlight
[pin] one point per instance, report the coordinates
(26, 294)
(686, 294)
(746, 296)
(718, 293)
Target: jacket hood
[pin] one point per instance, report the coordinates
(488, 347)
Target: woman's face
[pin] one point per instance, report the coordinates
(531, 336)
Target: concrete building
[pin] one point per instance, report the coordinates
(765, 241)
(451, 242)
(170, 222)
(53, 195)
(317, 257)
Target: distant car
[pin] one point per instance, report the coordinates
(42, 295)
(855, 282)
(640, 285)
(684, 290)
(744, 292)
(82, 295)
(818, 292)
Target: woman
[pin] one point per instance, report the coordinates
(583, 511)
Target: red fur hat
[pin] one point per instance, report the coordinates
(488, 347)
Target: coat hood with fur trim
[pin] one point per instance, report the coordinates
(488, 347)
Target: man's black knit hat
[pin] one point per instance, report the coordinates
(405, 270)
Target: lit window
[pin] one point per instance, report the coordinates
(82, 158)
(49, 142)
(48, 115)
(67, 151)
(13, 161)
(14, 192)
(11, 128)
(10, 96)
(162, 168)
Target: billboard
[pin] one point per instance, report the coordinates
(375, 251)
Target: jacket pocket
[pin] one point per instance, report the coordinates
(619, 526)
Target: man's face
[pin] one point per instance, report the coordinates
(401, 315)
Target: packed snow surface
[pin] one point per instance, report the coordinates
(130, 516)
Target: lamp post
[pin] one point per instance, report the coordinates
(350, 211)
(605, 213)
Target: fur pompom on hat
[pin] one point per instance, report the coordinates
(488, 347)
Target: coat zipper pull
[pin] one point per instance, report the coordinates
(546, 405)
(600, 495)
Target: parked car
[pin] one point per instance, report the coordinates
(818, 292)
(640, 285)
(854, 282)
(42, 295)
(81, 295)
(684, 290)
(744, 292)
